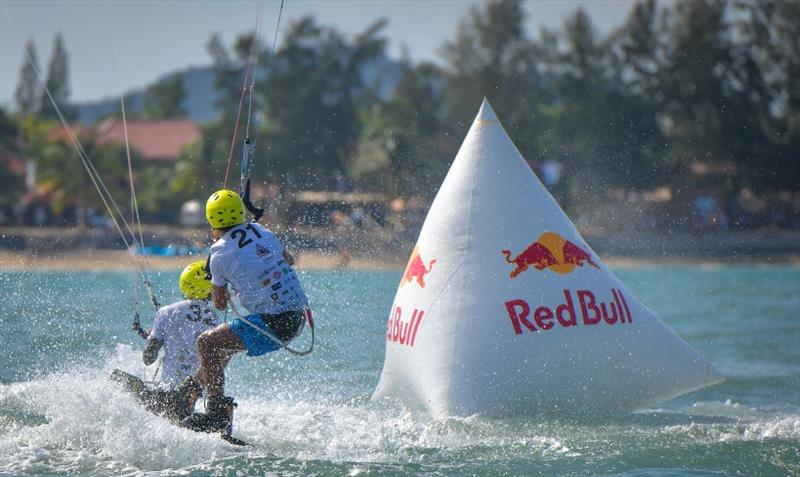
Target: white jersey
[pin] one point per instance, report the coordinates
(250, 258)
(178, 325)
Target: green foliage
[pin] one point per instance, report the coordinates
(632, 109)
(164, 100)
(199, 169)
(208, 162)
(676, 84)
(158, 197)
(767, 65)
(26, 96)
(492, 57)
(62, 174)
(8, 130)
(697, 61)
(10, 183)
(57, 83)
(404, 135)
(315, 96)
(605, 135)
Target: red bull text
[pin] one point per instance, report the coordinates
(550, 251)
(403, 332)
(416, 269)
(592, 312)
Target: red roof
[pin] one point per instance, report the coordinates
(157, 140)
(152, 140)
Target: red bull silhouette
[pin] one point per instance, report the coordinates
(551, 251)
(576, 255)
(536, 254)
(416, 269)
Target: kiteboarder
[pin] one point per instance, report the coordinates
(175, 330)
(250, 258)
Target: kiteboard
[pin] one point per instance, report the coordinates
(160, 402)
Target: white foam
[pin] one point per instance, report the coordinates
(81, 420)
(787, 428)
(730, 421)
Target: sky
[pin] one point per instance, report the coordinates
(120, 45)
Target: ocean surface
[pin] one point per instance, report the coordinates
(62, 333)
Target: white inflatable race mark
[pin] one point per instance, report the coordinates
(504, 309)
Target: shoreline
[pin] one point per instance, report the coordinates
(104, 260)
(34, 248)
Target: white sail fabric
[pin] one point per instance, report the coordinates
(504, 309)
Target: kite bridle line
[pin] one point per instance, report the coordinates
(250, 56)
(249, 85)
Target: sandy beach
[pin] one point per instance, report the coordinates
(87, 259)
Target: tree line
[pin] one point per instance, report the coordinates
(675, 85)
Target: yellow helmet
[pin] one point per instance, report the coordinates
(224, 209)
(193, 282)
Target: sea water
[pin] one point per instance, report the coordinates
(62, 333)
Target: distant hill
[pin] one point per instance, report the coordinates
(198, 83)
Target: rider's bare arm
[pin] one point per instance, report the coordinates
(221, 297)
(150, 353)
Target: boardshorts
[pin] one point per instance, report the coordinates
(284, 326)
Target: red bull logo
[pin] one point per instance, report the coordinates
(401, 331)
(551, 251)
(589, 312)
(416, 269)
